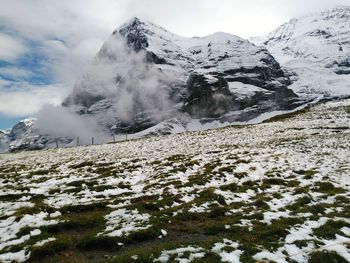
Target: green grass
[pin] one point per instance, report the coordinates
(330, 229)
(49, 249)
(82, 164)
(308, 174)
(326, 257)
(209, 195)
(328, 188)
(287, 116)
(300, 203)
(52, 170)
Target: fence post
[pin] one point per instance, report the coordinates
(77, 141)
(57, 144)
(92, 140)
(126, 137)
(113, 138)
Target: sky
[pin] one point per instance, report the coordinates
(46, 44)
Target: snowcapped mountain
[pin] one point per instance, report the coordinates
(25, 135)
(316, 48)
(146, 80)
(144, 75)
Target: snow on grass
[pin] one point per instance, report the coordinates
(272, 188)
(227, 256)
(301, 233)
(43, 242)
(19, 256)
(181, 255)
(337, 245)
(9, 208)
(10, 227)
(205, 207)
(122, 222)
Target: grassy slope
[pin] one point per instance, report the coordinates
(278, 190)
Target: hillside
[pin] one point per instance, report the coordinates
(275, 191)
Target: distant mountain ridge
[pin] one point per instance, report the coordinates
(316, 48)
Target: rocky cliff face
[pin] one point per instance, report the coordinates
(167, 76)
(316, 48)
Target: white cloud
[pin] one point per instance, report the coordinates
(245, 18)
(75, 21)
(68, 63)
(71, 32)
(10, 47)
(4, 83)
(59, 121)
(28, 99)
(14, 73)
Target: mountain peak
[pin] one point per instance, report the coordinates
(138, 23)
(134, 32)
(134, 22)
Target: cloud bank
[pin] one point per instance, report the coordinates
(122, 83)
(27, 99)
(61, 122)
(11, 48)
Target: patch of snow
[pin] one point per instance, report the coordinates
(232, 257)
(123, 222)
(179, 253)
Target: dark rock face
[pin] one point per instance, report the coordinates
(134, 35)
(153, 58)
(343, 67)
(208, 98)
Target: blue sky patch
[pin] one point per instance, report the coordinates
(9, 122)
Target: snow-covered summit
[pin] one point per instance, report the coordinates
(218, 51)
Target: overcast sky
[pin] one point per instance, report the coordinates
(45, 43)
